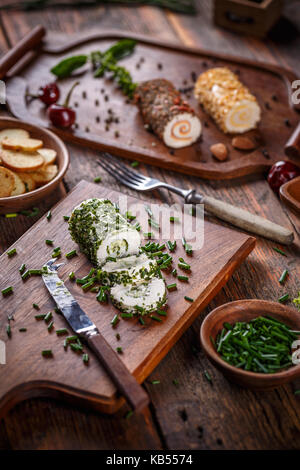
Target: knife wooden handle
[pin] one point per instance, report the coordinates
(30, 41)
(118, 372)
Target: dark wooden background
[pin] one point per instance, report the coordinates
(193, 414)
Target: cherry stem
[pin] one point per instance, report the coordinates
(66, 103)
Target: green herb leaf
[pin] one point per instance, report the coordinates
(67, 66)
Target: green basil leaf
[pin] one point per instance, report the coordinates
(67, 66)
(121, 49)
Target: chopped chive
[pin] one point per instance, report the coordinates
(297, 392)
(11, 216)
(49, 242)
(48, 317)
(25, 275)
(98, 179)
(129, 216)
(56, 253)
(47, 353)
(12, 252)
(174, 219)
(153, 223)
(81, 281)
(48, 216)
(71, 254)
(76, 347)
(149, 235)
(58, 311)
(88, 284)
(102, 296)
(70, 339)
(118, 337)
(72, 275)
(8, 290)
(40, 316)
(207, 376)
(175, 382)
(22, 268)
(66, 218)
(141, 320)
(36, 306)
(35, 272)
(50, 326)
(115, 320)
(128, 414)
(172, 286)
(85, 358)
(279, 251)
(155, 382)
(184, 266)
(182, 278)
(161, 312)
(62, 331)
(111, 258)
(283, 298)
(283, 276)
(8, 330)
(119, 350)
(126, 315)
(65, 344)
(134, 164)
(171, 245)
(174, 272)
(189, 299)
(22, 330)
(154, 317)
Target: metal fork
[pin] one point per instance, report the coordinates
(224, 211)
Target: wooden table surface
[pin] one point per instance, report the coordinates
(193, 414)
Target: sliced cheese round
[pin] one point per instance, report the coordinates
(139, 298)
(182, 130)
(119, 244)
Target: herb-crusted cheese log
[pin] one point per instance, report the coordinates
(227, 100)
(165, 112)
(101, 231)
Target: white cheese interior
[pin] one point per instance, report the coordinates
(243, 117)
(118, 244)
(183, 130)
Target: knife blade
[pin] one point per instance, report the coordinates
(84, 327)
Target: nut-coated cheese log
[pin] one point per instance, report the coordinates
(167, 114)
(227, 100)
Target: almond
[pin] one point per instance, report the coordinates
(219, 151)
(243, 143)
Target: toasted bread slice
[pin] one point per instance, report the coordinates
(13, 134)
(21, 161)
(19, 143)
(28, 181)
(45, 174)
(19, 187)
(7, 182)
(49, 155)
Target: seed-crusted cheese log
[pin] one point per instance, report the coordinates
(101, 231)
(227, 100)
(165, 112)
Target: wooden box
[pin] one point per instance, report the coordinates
(254, 17)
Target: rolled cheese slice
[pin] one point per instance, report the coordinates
(139, 298)
(127, 270)
(102, 232)
(167, 114)
(227, 100)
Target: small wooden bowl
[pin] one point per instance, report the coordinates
(24, 201)
(290, 194)
(246, 310)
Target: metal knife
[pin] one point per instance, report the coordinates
(86, 329)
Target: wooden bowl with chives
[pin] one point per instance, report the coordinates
(13, 204)
(245, 311)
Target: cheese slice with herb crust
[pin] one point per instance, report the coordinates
(139, 298)
(130, 269)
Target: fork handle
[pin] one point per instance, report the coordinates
(244, 219)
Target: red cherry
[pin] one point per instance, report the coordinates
(49, 93)
(280, 173)
(61, 116)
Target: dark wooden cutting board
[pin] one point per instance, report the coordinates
(28, 374)
(270, 84)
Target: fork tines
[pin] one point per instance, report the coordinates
(121, 172)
